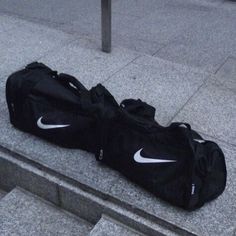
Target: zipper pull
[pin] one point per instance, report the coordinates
(100, 155)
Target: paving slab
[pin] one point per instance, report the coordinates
(90, 28)
(212, 111)
(33, 41)
(206, 43)
(108, 227)
(7, 23)
(52, 11)
(198, 4)
(226, 75)
(164, 85)
(143, 8)
(138, 8)
(90, 66)
(24, 214)
(164, 24)
(139, 45)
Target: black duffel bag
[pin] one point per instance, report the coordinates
(56, 107)
(174, 163)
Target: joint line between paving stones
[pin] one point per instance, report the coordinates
(164, 45)
(119, 70)
(171, 120)
(221, 65)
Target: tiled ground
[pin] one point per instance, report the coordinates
(206, 44)
(90, 66)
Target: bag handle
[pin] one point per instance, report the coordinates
(71, 81)
(139, 108)
(181, 125)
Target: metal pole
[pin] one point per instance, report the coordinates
(106, 25)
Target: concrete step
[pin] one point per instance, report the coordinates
(109, 227)
(24, 214)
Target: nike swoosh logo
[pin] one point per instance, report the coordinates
(47, 126)
(138, 158)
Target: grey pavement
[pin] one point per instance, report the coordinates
(23, 214)
(206, 44)
(179, 56)
(212, 111)
(26, 42)
(225, 76)
(90, 66)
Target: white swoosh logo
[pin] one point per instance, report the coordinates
(138, 158)
(46, 126)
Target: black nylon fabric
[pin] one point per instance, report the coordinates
(174, 163)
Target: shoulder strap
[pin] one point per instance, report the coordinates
(71, 82)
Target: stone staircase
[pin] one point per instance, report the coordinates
(25, 214)
(22, 213)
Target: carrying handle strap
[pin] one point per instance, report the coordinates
(37, 65)
(181, 125)
(71, 81)
(139, 108)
